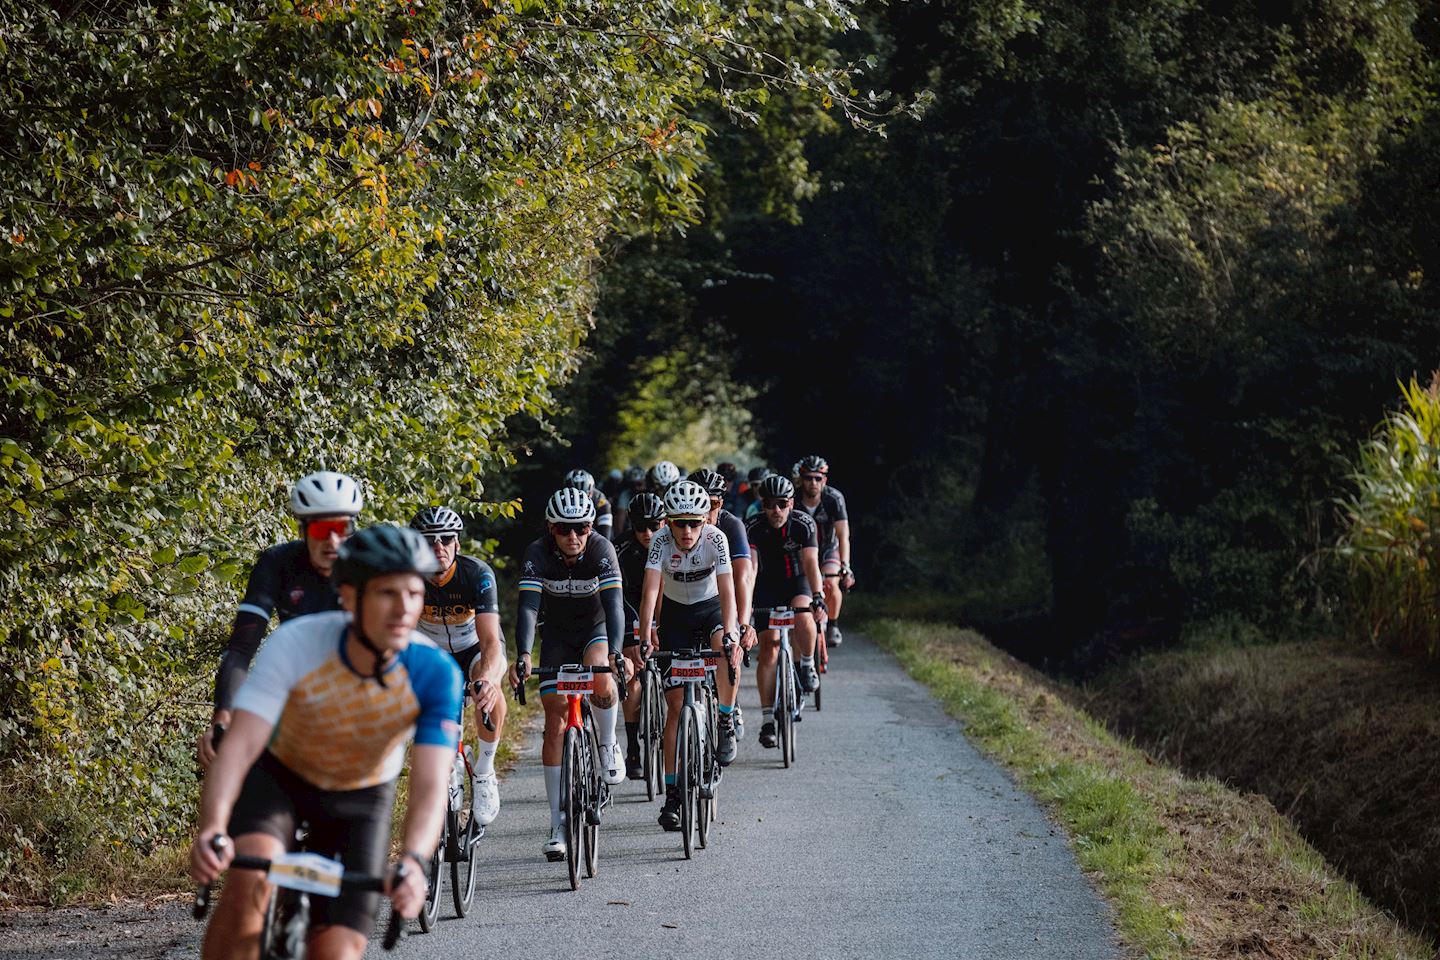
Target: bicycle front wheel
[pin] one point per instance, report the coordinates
(704, 778)
(572, 802)
(686, 761)
(785, 717)
(430, 912)
(655, 736)
(463, 869)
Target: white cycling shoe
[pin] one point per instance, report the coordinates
(554, 848)
(485, 804)
(612, 763)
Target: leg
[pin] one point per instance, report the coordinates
(765, 670)
(834, 596)
(234, 930)
(631, 709)
(803, 638)
(605, 712)
(674, 698)
(484, 787)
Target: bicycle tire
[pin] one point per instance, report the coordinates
(642, 717)
(464, 868)
(704, 774)
(785, 718)
(430, 911)
(594, 796)
(816, 695)
(685, 781)
(572, 804)
(656, 786)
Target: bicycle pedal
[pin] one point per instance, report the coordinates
(555, 856)
(592, 817)
(707, 793)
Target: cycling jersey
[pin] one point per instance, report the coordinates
(282, 582)
(825, 513)
(466, 589)
(632, 559)
(689, 575)
(604, 513)
(734, 529)
(336, 728)
(570, 595)
(777, 553)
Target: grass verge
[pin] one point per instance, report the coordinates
(1192, 868)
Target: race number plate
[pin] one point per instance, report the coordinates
(574, 680)
(782, 618)
(687, 671)
(309, 872)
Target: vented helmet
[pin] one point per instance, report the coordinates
(325, 494)
(776, 487)
(437, 520)
(686, 498)
(580, 480)
(646, 506)
(713, 481)
(661, 476)
(757, 474)
(569, 505)
(634, 475)
(811, 464)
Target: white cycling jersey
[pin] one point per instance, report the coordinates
(689, 576)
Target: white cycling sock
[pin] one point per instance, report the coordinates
(552, 793)
(485, 758)
(807, 661)
(605, 724)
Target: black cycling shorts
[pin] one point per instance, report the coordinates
(781, 595)
(557, 648)
(688, 627)
(351, 824)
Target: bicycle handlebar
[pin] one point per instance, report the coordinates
(660, 655)
(544, 672)
(394, 933)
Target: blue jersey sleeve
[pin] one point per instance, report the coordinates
(435, 678)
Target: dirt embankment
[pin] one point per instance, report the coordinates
(1344, 741)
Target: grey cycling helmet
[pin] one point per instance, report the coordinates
(580, 480)
(570, 505)
(646, 506)
(325, 494)
(811, 464)
(776, 487)
(661, 476)
(634, 475)
(757, 474)
(434, 521)
(686, 498)
(713, 481)
(381, 549)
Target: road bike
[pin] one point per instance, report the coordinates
(786, 701)
(295, 877)
(697, 771)
(459, 833)
(583, 791)
(652, 727)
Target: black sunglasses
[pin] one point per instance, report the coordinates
(687, 524)
(649, 526)
(774, 504)
(581, 528)
(443, 539)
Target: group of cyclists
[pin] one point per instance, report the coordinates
(386, 630)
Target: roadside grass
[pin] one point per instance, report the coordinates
(1191, 868)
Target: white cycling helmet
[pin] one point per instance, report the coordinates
(686, 498)
(661, 476)
(326, 494)
(580, 480)
(570, 505)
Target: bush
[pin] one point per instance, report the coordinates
(1388, 545)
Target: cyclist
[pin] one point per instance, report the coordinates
(462, 616)
(604, 518)
(633, 483)
(750, 506)
(690, 561)
(659, 477)
(313, 741)
(827, 506)
(289, 579)
(783, 542)
(733, 527)
(647, 515)
(732, 493)
(573, 579)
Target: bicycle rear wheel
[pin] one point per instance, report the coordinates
(785, 717)
(655, 732)
(572, 803)
(685, 763)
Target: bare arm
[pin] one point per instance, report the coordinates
(490, 665)
(429, 774)
(810, 560)
(842, 534)
(649, 604)
(725, 583)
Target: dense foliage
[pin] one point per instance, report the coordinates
(1096, 332)
(243, 240)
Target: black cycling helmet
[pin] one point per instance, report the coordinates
(776, 487)
(757, 474)
(811, 464)
(646, 506)
(433, 521)
(383, 548)
(713, 481)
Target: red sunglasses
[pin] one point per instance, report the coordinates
(323, 529)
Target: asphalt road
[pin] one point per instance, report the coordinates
(891, 837)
